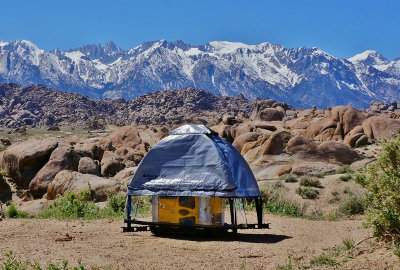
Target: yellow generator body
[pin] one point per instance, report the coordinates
(188, 210)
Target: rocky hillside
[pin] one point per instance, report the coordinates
(38, 106)
(276, 140)
(302, 77)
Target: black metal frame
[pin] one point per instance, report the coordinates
(134, 225)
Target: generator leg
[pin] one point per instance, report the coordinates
(233, 215)
(128, 209)
(259, 210)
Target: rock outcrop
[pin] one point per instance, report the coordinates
(88, 166)
(20, 162)
(62, 158)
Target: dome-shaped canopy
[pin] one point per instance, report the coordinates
(194, 161)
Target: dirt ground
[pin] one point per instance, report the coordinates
(101, 243)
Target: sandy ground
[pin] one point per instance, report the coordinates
(101, 243)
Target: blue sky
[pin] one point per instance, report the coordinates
(341, 27)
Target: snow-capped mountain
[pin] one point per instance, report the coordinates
(300, 76)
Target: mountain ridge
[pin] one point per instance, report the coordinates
(302, 77)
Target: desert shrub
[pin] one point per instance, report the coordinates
(13, 212)
(344, 169)
(11, 262)
(348, 244)
(307, 193)
(288, 266)
(289, 178)
(276, 204)
(360, 178)
(324, 260)
(383, 197)
(335, 197)
(310, 182)
(352, 205)
(396, 249)
(347, 190)
(332, 215)
(345, 177)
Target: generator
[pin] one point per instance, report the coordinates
(188, 210)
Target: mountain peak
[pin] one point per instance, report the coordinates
(369, 57)
(106, 52)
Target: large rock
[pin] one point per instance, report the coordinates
(224, 131)
(111, 164)
(348, 117)
(300, 144)
(270, 114)
(323, 126)
(240, 129)
(89, 148)
(5, 190)
(275, 144)
(69, 181)
(88, 166)
(22, 161)
(130, 157)
(229, 120)
(331, 152)
(63, 158)
(380, 127)
(125, 176)
(337, 152)
(353, 137)
(241, 140)
(336, 123)
(268, 110)
(127, 136)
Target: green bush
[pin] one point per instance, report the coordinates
(310, 182)
(346, 177)
(276, 204)
(289, 178)
(13, 212)
(360, 178)
(80, 206)
(383, 197)
(72, 206)
(352, 205)
(307, 193)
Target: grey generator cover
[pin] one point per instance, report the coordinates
(194, 161)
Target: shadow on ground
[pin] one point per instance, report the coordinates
(227, 237)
